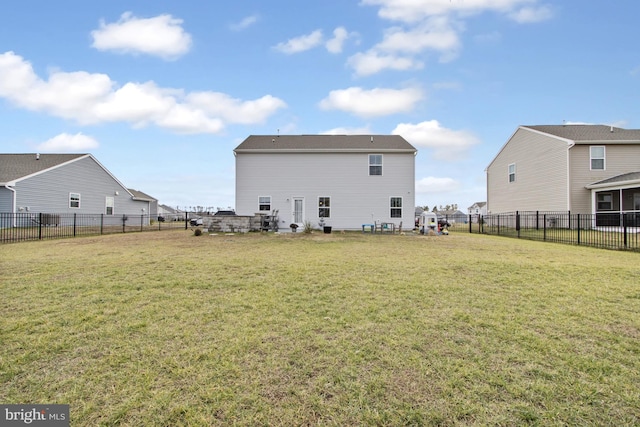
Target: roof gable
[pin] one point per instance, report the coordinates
(17, 166)
(590, 133)
(324, 143)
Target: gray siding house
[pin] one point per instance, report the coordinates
(349, 180)
(590, 169)
(61, 184)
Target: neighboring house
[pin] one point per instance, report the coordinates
(477, 210)
(453, 215)
(63, 183)
(577, 168)
(349, 180)
(151, 203)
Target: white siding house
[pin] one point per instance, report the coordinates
(347, 180)
(590, 169)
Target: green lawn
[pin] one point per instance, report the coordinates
(169, 329)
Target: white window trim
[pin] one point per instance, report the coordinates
(401, 208)
(79, 201)
(113, 205)
(270, 204)
(369, 164)
(324, 207)
(604, 157)
(509, 173)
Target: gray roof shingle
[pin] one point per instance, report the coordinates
(590, 133)
(325, 143)
(16, 166)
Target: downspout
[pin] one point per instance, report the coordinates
(13, 203)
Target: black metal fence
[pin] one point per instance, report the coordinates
(19, 227)
(610, 230)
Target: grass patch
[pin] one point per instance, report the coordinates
(331, 329)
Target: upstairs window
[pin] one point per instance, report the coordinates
(324, 207)
(512, 172)
(74, 200)
(396, 207)
(265, 203)
(375, 164)
(597, 158)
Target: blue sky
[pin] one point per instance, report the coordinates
(161, 92)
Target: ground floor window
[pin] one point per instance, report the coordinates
(396, 207)
(109, 203)
(265, 203)
(74, 200)
(324, 207)
(604, 202)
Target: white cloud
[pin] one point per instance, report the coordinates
(300, 44)
(235, 110)
(245, 23)
(412, 11)
(372, 62)
(160, 36)
(528, 15)
(340, 35)
(434, 34)
(447, 144)
(347, 131)
(432, 184)
(66, 143)
(94, 98)
(433, 25)
(372, 103)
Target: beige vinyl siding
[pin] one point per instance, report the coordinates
(619, 159)
(356, 197)
(541, 174)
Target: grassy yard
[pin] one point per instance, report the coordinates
(169, 329)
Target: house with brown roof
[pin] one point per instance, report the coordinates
(590, 169)
(64, 184)
(344, 180)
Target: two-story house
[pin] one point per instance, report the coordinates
(346, 180)
(590, 169)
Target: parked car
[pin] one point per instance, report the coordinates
(227, 212)
(196, 222)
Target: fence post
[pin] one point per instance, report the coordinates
(569, 220)
(186, 220)
(74, 224)
(518, 223)
(101, 224)
(40, 226)
(124, 220)
(537, 220)
(578, 228)
(544, 227)
(470, 221)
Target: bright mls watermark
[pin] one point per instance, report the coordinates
(34, 415)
